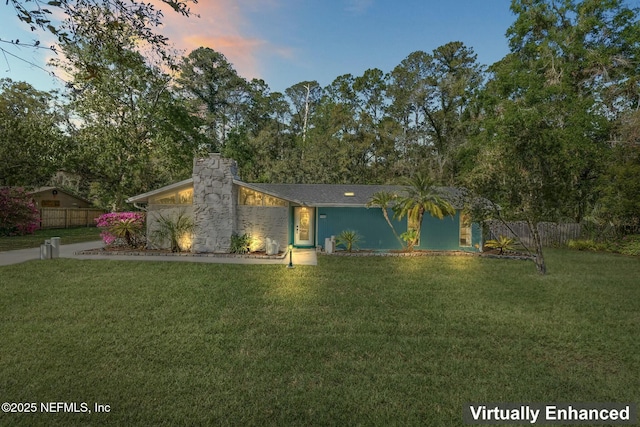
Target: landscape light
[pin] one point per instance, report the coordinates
(290, 257)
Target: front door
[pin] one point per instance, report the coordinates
(303, 226)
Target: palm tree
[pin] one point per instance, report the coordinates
(384, 200)
(421, 197)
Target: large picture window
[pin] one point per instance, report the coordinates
(248, 197)
(183, 197)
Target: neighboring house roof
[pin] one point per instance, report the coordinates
(60, 190)
(317, 195)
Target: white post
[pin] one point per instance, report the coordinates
(55, 247)
(45, 250)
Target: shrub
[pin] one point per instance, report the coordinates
(122, 228)
(630, 245)
(18, 213)
(502, 244)
(240, 244)
(410, 237)
(176, 229)
(349, 239)
(586, 245)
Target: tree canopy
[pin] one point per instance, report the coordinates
(549, 132)
(31, 143)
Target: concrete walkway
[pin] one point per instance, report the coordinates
(300, 256)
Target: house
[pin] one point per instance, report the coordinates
(59, 208)
(54, 197)
(300, 214)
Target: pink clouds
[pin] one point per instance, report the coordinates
(222, 26)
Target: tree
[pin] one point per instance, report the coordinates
(262, 142)
(543, 133)
(385, 200)
(18, 213)
(431, 95)
(370, 89)
(137, 15)
(64, 19)
(30, 135)
(130, 134)
(620, 188)
(216, 93)
(405, 89)
(304, 98)
(421, 197)
(454, 78)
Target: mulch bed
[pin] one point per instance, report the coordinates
(164, 252)
(421, 253)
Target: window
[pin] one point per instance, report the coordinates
(274, 201)
(167, 200)
(184, 197)
(248, 197)
(465, 230)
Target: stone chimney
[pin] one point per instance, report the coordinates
(214, 203)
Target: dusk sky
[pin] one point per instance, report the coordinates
(286, 42)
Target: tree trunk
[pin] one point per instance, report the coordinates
(386, 216)
(539, 257)
(420, 218)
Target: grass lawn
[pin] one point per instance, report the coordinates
(353, 341)
(67, 236)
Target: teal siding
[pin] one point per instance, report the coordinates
(291, 225)
(440, 234)
(476, 236)
(369, 223)
(444, 234)
(436, 234)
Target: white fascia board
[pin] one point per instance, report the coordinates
(144, 197)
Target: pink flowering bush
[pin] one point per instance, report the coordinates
(18, 214)
(122, 229)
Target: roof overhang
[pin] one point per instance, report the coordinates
(144, 197)
(343, 200)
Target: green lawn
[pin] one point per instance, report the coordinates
(353, 341)
(67, 236)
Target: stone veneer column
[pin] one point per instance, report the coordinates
(214, 204)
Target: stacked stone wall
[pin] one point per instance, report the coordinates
(262, 222)
(214, 203)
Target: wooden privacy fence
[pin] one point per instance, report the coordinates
(68, 217)
(551, 233)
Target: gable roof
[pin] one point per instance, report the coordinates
(41, 190)
(316, 195)
(347, 195)
(324, 194)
